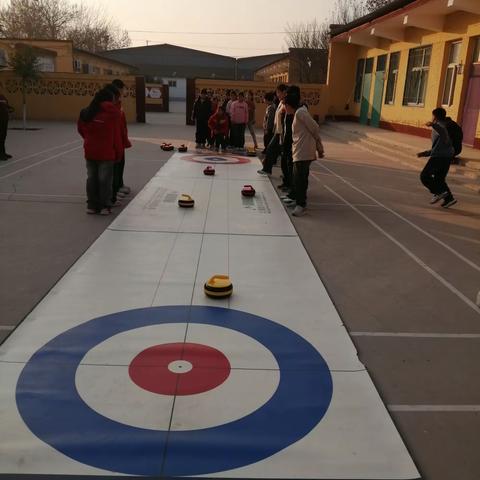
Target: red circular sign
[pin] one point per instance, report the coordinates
(179, 369)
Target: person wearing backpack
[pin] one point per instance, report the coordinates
(441, 154)
(455, 133)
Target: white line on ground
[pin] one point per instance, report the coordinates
(455, 336)
(7, 327)
(11, 174)
(434, 408)
(420, 262)
(13, 162)
(413, 225)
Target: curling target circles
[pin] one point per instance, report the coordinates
(52, 408)
(216, 159)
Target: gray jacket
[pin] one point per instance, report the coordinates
(441, 144)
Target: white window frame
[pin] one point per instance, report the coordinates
(450, 81)
(392, 73)
(424, 70)
(476, 51)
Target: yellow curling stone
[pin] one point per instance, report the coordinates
(219, 286)
(186, 201)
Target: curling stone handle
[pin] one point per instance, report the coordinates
(219, 277)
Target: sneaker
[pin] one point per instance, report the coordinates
(118, 203)
(125, 190)
(8, 157)
(263, 172)
(288, 201)
(121, 195)
(299, 211)
(91, 211)
(105, 212)
(437, 198)
(449, 202)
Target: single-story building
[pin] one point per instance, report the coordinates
(62, 57)
(299, 65)
(391, 68)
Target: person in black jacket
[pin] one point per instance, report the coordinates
(5, 109)
(202, 111)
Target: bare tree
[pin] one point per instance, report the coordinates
(25, 65)
(88, 28)
(373, 5)
(311, 34)
(345, 11)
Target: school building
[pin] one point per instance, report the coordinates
(61, 56)
(391, 68)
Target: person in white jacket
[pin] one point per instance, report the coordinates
(307, 145)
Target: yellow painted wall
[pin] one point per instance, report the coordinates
(65, 54)
(314, 95)
(61, 96)
(63, 60)
(458, 27)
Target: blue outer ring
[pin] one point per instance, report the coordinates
(51, 407)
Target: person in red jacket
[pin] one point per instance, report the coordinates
(119, 190)
(219, 125)
(99, 126)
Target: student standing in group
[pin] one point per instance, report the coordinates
(251, 117)
(239, 120)
(5, 110)
(274, 147)
(219, 126)
(307, 144)
(202, 110)
(215, 104)
(122, 188)
(118, 189)
(269, 119)
(228, 110)
(99, 126)
(441, 155)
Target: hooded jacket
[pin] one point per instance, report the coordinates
(102, 136)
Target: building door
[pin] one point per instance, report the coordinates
(378, 91)
(367, 85)
(472, 101)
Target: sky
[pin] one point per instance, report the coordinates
(144, 18)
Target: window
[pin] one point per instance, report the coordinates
(172, 83)
(381, 63)
(392, 78)
(417, 76)
(85, 68)
(359, 80)
(451, 74)
(476, 55)
(45, 64)
(95, 70)
(107, 71)
(77, 65)
(3, 58)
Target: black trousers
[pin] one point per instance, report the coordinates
(118, 168)
(273, 151)
(3, 135)
(221, 141)
(99, 184)
(434, 174)
(238, 135)
(203, 132)
(267, 138)
(298, 192)
(287, 166)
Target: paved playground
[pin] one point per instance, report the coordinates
(79, 377)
